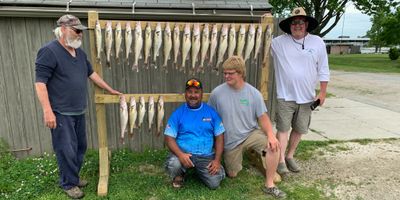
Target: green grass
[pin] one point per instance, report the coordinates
(364, 63)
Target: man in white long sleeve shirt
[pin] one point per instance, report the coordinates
(300, 62)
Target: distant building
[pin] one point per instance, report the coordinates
(345, 45)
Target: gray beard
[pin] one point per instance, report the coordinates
(73, 43)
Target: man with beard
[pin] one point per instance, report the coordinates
(62, 69)
(193, 130)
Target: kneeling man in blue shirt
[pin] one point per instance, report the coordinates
(194, 135)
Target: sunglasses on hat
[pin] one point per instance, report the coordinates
(193, 83)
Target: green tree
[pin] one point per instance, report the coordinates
(375, 33)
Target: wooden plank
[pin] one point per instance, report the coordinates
(104, 170)
(267, 19)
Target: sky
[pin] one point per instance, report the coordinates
(355, 24)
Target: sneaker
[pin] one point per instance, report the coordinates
(282, 169)
(82, 183)
(274, 191)
(75, 193)
(177, 182)
(291, 165)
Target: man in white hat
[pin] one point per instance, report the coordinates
(300, 62)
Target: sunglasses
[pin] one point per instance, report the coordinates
(77, 31)
(297, 22)
(194, 83)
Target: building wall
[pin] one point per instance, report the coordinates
(22, 123)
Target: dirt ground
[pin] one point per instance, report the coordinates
(360, 171)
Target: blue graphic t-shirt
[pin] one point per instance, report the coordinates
(194, 129)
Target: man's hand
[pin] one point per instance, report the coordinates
(213, 167)
(50, 119)
(273, 144)
(185, 160)
(115, 92)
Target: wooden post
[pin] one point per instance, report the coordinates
(266, 20)
(104, 165)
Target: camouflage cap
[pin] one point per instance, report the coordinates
(72, 21)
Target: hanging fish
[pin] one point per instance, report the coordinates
(232, 41)
(177, 43)
(185, 45)
(160, 115)
(118, 39)
(151, 112)
(132, 115)
(267, 43)
(195, 45)
(142, 111)
(138, 46)
(250, 42)
(128, 40)
(223, 45)
(167, 45)
(123, 115)
(213, 43)
(157, 43)
(258, 41)
(109, 41)
(97, 33)
(147, 43)
(241, 40)
(205, 43)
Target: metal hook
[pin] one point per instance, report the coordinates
(133, 7)
(68, 3)
(194, 10)
(251, 10)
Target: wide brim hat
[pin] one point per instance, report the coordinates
(298, 12)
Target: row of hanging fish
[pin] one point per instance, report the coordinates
(194, 45)
(135, 114)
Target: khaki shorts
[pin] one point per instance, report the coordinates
(293, 115)
(257, 141)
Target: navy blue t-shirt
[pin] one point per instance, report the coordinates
(65, 77)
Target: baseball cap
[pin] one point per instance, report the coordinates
(72, 21)
(194, 83)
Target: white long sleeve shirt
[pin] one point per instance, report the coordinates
(297, 70)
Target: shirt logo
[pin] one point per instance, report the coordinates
(206, 119)
(244, 102)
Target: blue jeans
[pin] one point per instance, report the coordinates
(69, 144)
(174, 168)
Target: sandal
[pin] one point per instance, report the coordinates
(177, 182)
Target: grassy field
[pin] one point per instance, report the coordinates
(142, 176)
(364, 63)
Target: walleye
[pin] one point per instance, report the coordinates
(195, 44)
(118, 40)
(123, 115)
(267, 43)
(223, 45)
(258, 41)
(138, 46)
(147, 43)
(232, 40)
(241, 40)
(157, 43)
(185, 46)
(160, 115)
(142, 111)
(97, 33)
(250, 42)
(128, 40)
(151, 111)
(167, 45)
(213, 44)
(177, 43)
(205, 43)
(109, 41)
(132, 115)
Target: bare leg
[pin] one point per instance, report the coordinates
(271, 161)
(295, 138)
(283, 140)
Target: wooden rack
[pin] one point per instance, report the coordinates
(102, 99)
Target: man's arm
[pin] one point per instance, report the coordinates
(215, 165)
(184, 158)
(322, 91)
(102, 84)
(266, 127)
(48, 116)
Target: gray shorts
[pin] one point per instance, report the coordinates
(293, 115)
